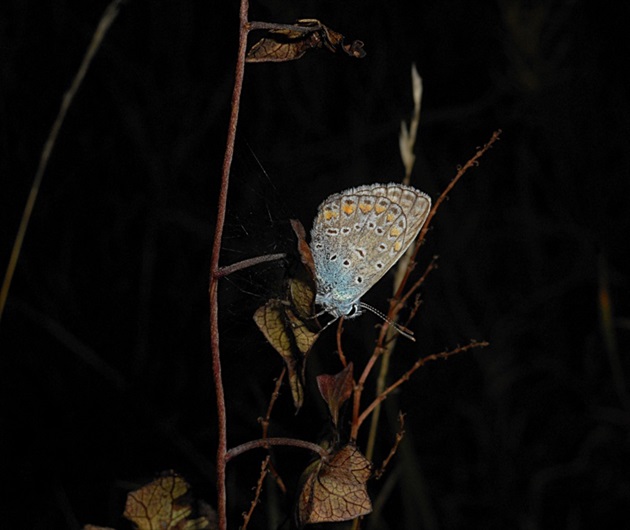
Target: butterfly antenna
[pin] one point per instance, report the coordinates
(400, 329)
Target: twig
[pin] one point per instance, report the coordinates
(214, 269)
(254, 26)
(264, 422)
(358, 390)
(246, 263)
(460, 173)
(342, 357)
(399, 436)
(264, 469)
(420, 362)
(432, 265)
(398, 299)
(406, 143)
(99, 34)
(267, 442)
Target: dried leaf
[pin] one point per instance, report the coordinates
(270, 50)
(336, 389)
(302, 298)
(270, 320)
(93, 527)
(292, 42)
(335, 488)
(155, 505)
(288, 326)
(354, 49)
(304, 337)
(164, 505)
(304, 249)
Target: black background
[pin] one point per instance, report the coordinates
(104, 344)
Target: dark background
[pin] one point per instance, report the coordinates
(105, 371)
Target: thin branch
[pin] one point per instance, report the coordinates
(246, 263)
(255, 26)
(99, 34)
(358, 390)
(432, 265)
(264, 422)
(268, 442)
(264, 469)
(342, 356)
(474, 161)
(405, 377)
(401, 279)
(399, 436)
(214, 270)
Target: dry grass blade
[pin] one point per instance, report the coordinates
(105, 23)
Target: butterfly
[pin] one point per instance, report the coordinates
(357, 236)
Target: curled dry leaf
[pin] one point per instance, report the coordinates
(306, 256)
(336, 389)
(292, 42)
(161, 504)
(302, 298)
(271, 320)
(334, 488)
(290, 325)
(290, 334)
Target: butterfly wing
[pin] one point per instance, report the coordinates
(359, 234)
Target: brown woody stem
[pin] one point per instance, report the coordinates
(240, 265)
(215, 270)
(267, 442)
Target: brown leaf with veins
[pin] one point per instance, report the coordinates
(271, 320)
(273, 50)
(302, 298)
(289, 325)
(304, 337)
(336, 389)
(335, 488)
(157, 505)
(292, 42)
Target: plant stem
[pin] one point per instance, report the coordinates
(246, 263)
(267, 442)
(215, 269)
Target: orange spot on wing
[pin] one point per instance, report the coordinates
(349, 208)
